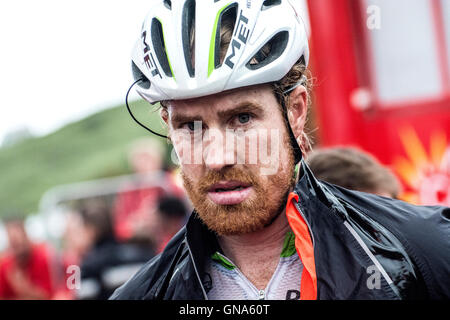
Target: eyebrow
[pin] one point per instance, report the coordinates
(243, 107)
(181, 118)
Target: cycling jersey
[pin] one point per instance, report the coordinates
(227, 282)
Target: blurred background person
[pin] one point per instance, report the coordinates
(171, 215)
(107, 264)
(75, 244)
(76, 239)
(134, 207)
(353, 169)
(25, 268)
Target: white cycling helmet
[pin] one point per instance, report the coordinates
(170, 69)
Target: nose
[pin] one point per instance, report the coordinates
(218, 150)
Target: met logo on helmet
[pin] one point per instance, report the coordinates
(213, 48)
(149, 60)
(240, 37)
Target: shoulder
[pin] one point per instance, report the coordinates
(397, 215)
(137, 287)
(424, 231)
(420, 225)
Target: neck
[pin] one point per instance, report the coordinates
(269, 237)
(257, 254)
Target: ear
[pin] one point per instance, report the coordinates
(164, 115)
(297, 111)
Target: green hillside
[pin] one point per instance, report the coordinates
(92, 148)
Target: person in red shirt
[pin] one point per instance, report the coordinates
(135, 205)
(25, 267)
(132, 207)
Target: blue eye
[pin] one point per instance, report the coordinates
(191, 126)
(244, 118)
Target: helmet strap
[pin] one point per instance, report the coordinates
(297, 149)
(132, 115)
(295, 146)
(298, 84)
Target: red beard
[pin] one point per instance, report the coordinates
(254, 213)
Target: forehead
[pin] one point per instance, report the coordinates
(261, 95)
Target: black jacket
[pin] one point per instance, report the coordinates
(353, 234)
(106, 256)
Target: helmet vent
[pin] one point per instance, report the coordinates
(271, 51)
(188, 35)
(168, 4)
(270, 3)
(160, 47)
(137, 74)
(225, 27)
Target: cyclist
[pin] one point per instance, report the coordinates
(231, 77)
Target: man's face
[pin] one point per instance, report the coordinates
(235, 155)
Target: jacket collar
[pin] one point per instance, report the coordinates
(201, 242)
(309, 189)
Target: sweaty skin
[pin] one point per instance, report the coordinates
(243, 219)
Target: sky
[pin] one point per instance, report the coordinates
(62, 60)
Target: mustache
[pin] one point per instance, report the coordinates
(227, 174)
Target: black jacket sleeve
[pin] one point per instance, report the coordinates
(427, 233)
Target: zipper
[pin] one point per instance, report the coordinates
(372, 257)
(262, 295)
(306, 221)
(196, 272)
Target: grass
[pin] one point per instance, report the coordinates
(92, 148)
